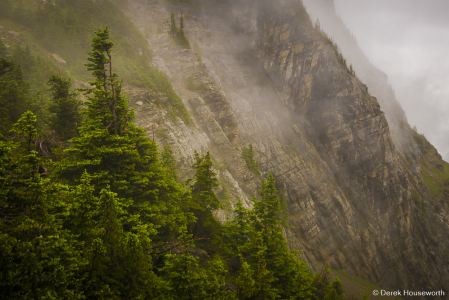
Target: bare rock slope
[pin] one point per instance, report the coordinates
(260, 73)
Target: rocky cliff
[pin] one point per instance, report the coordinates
(360, 184)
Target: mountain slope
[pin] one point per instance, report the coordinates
(354, 184)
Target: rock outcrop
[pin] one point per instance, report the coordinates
(260, 73)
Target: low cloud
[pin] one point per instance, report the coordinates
(409, 41)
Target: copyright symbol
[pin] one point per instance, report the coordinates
(375, 292)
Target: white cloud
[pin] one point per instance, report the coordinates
(409, 41)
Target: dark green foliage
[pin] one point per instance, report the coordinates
(173, 28)
(321, 279)
(178, 33)
(36, 70)
(65, 108)
(335, 291)
(265, 257)
(3, 50)
(5, 66)
(188, 280)
(14, 95)
(181, 23)
(224, 196)
(38, 257)
(204, 202)
(203, 195)
(5, 9)
(107, 86)
(101, 222)
(125, 201)
(251, 163)
(114, 244)
(123, 159)
(168, 161)
(283, 215)
(23, 87)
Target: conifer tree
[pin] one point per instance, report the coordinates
(181, 24)
(39, 258)
(335, 291)
(168, 161)
(248, 155)
(3, 50)
(118, 266)
(205, 182)
(14, 95)
(245, 281)
(65, 108)
(188, 280)
(5, 66)
(173, 28)
(181, 38)
(204, 201)
(107, 91)
(127, 162)
(277, 271)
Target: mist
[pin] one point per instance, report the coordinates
(408, 40)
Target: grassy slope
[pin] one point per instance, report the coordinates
(434, 171)
(354, 286)
(66, 29)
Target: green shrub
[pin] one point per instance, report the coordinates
(251, 163)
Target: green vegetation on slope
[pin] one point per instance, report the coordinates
(435, 171)
(106, 219)
(66, 29)
(251, 163)
(178, 33)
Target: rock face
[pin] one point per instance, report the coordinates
(260, 73)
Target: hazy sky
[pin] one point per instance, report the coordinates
(409, 41)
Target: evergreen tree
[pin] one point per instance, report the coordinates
(205, 182)
(14, 95)
(168, 161)
(281, 262)
(204, 201)
(181, 38)
(107, 87)
(3, 50)
(39, 259)
(5, 66)
(126, 160)
(245, 281)
(65, 108)
(277, 272)
(321, 279)
(248, 155)
(351, 70)
(173, 28)
(24, 58)
(335, 291)
(118, 266)
(188, 280)
(5, 9)
(181, 24)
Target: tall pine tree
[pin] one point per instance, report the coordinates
(65, 108)
(121, 156)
